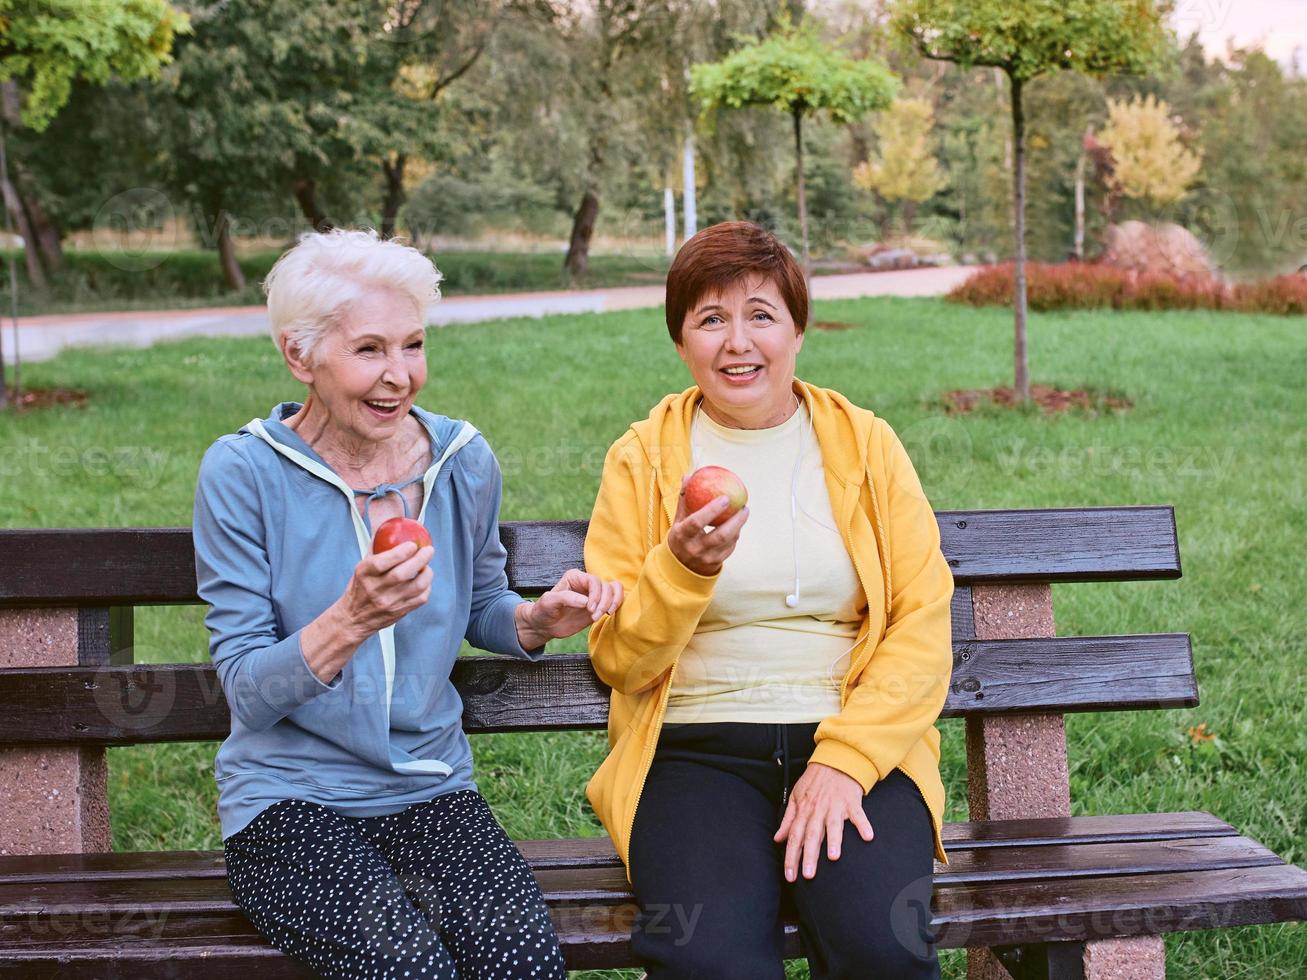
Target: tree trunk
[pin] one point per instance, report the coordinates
(884, 216)
(23, 227)
(1019, 212)
(231, 270)
(43, 226)
(18, 360)
(690, 191)
(305, 190)
(803, 196)
(395, 195)
(669, 221)
(1079, 249)
(909, 215)
(583, 226)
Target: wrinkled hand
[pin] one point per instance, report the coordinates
(703, 553)
(578, 600)
(386, 587)
(822, 799)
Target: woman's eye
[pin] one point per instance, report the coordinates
(764, 314)
(711, 321)
(367, 348)
(416, 345)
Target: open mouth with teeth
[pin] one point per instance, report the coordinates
(383, 408)
(740, 373)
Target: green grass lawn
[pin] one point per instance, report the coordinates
(1216, 430)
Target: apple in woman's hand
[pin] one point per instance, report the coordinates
(707, 483)
(396, 531)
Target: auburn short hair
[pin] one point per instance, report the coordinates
(721, 255)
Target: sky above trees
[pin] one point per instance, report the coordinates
(1278, 27)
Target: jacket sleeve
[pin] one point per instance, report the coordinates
(902, 690)
(663, 600)
(264, 676)
(490, 624)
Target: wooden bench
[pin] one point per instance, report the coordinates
(1044, 893)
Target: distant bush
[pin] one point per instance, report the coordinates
(1082, 286)
(1284, 294)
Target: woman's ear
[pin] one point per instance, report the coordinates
(299, 367)
(798, 340)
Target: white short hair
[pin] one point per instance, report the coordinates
(310, 286)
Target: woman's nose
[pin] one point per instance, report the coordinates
(395, 372)
(737, 337)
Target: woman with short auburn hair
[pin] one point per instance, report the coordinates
(776, 672)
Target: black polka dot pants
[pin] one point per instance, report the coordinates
(437, 890)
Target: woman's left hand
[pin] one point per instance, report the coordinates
(822, 799)
(578, 600)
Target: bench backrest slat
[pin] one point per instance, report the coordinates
(184, 702)
(151, 566)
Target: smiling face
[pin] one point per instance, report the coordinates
(741, 346)
(368, 369)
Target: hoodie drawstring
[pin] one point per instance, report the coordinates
(782, 757)
(379, 492)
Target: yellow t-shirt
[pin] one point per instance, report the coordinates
(753, 658)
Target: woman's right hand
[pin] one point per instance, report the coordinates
(703, 553)
(386, 587)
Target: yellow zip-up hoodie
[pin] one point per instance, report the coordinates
(899, 673)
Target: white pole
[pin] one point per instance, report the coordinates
(669, 218)
(691, 218)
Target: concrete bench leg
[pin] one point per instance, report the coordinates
(52, 800)
(1017, 768)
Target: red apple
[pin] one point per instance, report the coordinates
(709, 482)
(396, 531)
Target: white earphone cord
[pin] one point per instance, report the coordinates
(791, 600)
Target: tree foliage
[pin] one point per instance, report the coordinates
(1036, 37)
(1149, 160)
(795, 71)
(46, 45)
(905, 167)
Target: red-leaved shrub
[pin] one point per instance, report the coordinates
(1285, 295)
(1084, 286)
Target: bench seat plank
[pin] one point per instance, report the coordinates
(595, 935)
(135, 704)
(35, 910)
(27, 895)
(597, 852)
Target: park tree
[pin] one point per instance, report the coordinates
(46, 46)
(1149, 160)
(795, 71)
(430, 45)
(282, 97)
(1094, 37)
(601, 46)
(905, 167)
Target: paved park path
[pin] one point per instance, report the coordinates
(42, 337)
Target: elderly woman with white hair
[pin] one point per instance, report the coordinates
(354, 835)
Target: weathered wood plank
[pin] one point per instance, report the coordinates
(128, 705)
(597, 852)
(1043, 863)
(151, 566)
(40, 924)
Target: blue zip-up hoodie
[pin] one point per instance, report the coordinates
(277, 536)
